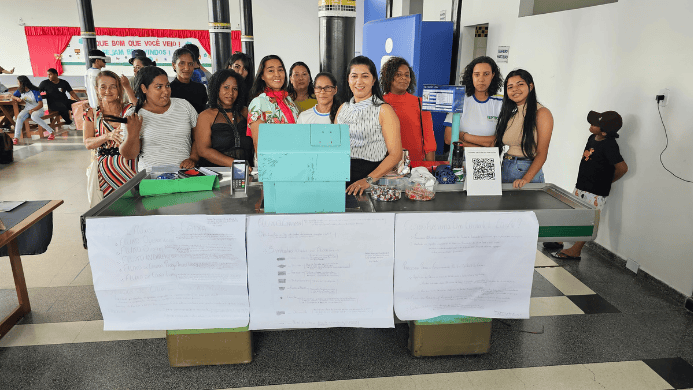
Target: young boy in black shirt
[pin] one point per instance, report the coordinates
(600, 166)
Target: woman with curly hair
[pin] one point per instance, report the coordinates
(482, 80)
(416, 126)
(220, 132)
(243, 65)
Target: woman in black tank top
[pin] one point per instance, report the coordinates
(220, 133)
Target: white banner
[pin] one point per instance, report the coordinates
(120, 49)
(320, 271)
(478, 264)
(166, 272)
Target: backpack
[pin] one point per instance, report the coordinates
(6, 148)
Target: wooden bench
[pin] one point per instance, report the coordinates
(53, 119)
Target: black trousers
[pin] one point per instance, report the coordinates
(63, 107)
(361, 168)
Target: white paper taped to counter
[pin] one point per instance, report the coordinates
(473, 264)
(321, 270)
(167, 272)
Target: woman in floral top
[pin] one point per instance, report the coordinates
(270, 102)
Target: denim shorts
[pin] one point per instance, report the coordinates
(515, 169)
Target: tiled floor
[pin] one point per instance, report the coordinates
(592, 326)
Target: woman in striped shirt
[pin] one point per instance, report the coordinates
(376, 146)
(105, 136)
(159, 128)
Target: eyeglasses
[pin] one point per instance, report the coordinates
(328, 88)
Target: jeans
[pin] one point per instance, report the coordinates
(515, 169)
(35, 116)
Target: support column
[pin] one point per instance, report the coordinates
(337, 27)
(219, 32)
(247, 39)
(86, 24)
(454, 63)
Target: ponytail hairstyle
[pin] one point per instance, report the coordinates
(25, 84)
(145, 77)
(119, 85)
(311, 87)
(259, 84)
(335, 99)
(375, 90)
(509, 109)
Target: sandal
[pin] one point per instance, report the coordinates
(563, 256)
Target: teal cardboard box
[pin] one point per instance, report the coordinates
(304, 168)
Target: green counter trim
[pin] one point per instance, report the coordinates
(206, 331)
(566, 231)
(440, 320)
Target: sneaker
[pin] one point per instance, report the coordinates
(46, 133)
(15, 141)
(72, 126)
(51, 137)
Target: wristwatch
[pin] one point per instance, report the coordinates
(369, 180)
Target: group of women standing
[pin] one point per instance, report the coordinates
(382, 113)
(515, 120)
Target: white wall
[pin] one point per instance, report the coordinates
(615, 57)
(432, 8)
(286, 28)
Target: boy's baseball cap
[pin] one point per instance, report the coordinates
(99, 55)
(608, 121)
(137, 53)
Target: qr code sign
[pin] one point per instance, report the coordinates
(483, 168)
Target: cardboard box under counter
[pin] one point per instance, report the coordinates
(199, 347)
(450, 335)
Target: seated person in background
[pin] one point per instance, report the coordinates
(270, 102)
(243, 65)
(601, 165)
(525, 126)
(376, 146)
(105, 136)
(325, 111)
(53, 90)
(482, 80)
(159, 127)
(200, 75)
(416, 126)
(33, 104)
(183, 87)
(301, 86)
(220, 134)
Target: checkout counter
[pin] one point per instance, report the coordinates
(561, 215)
